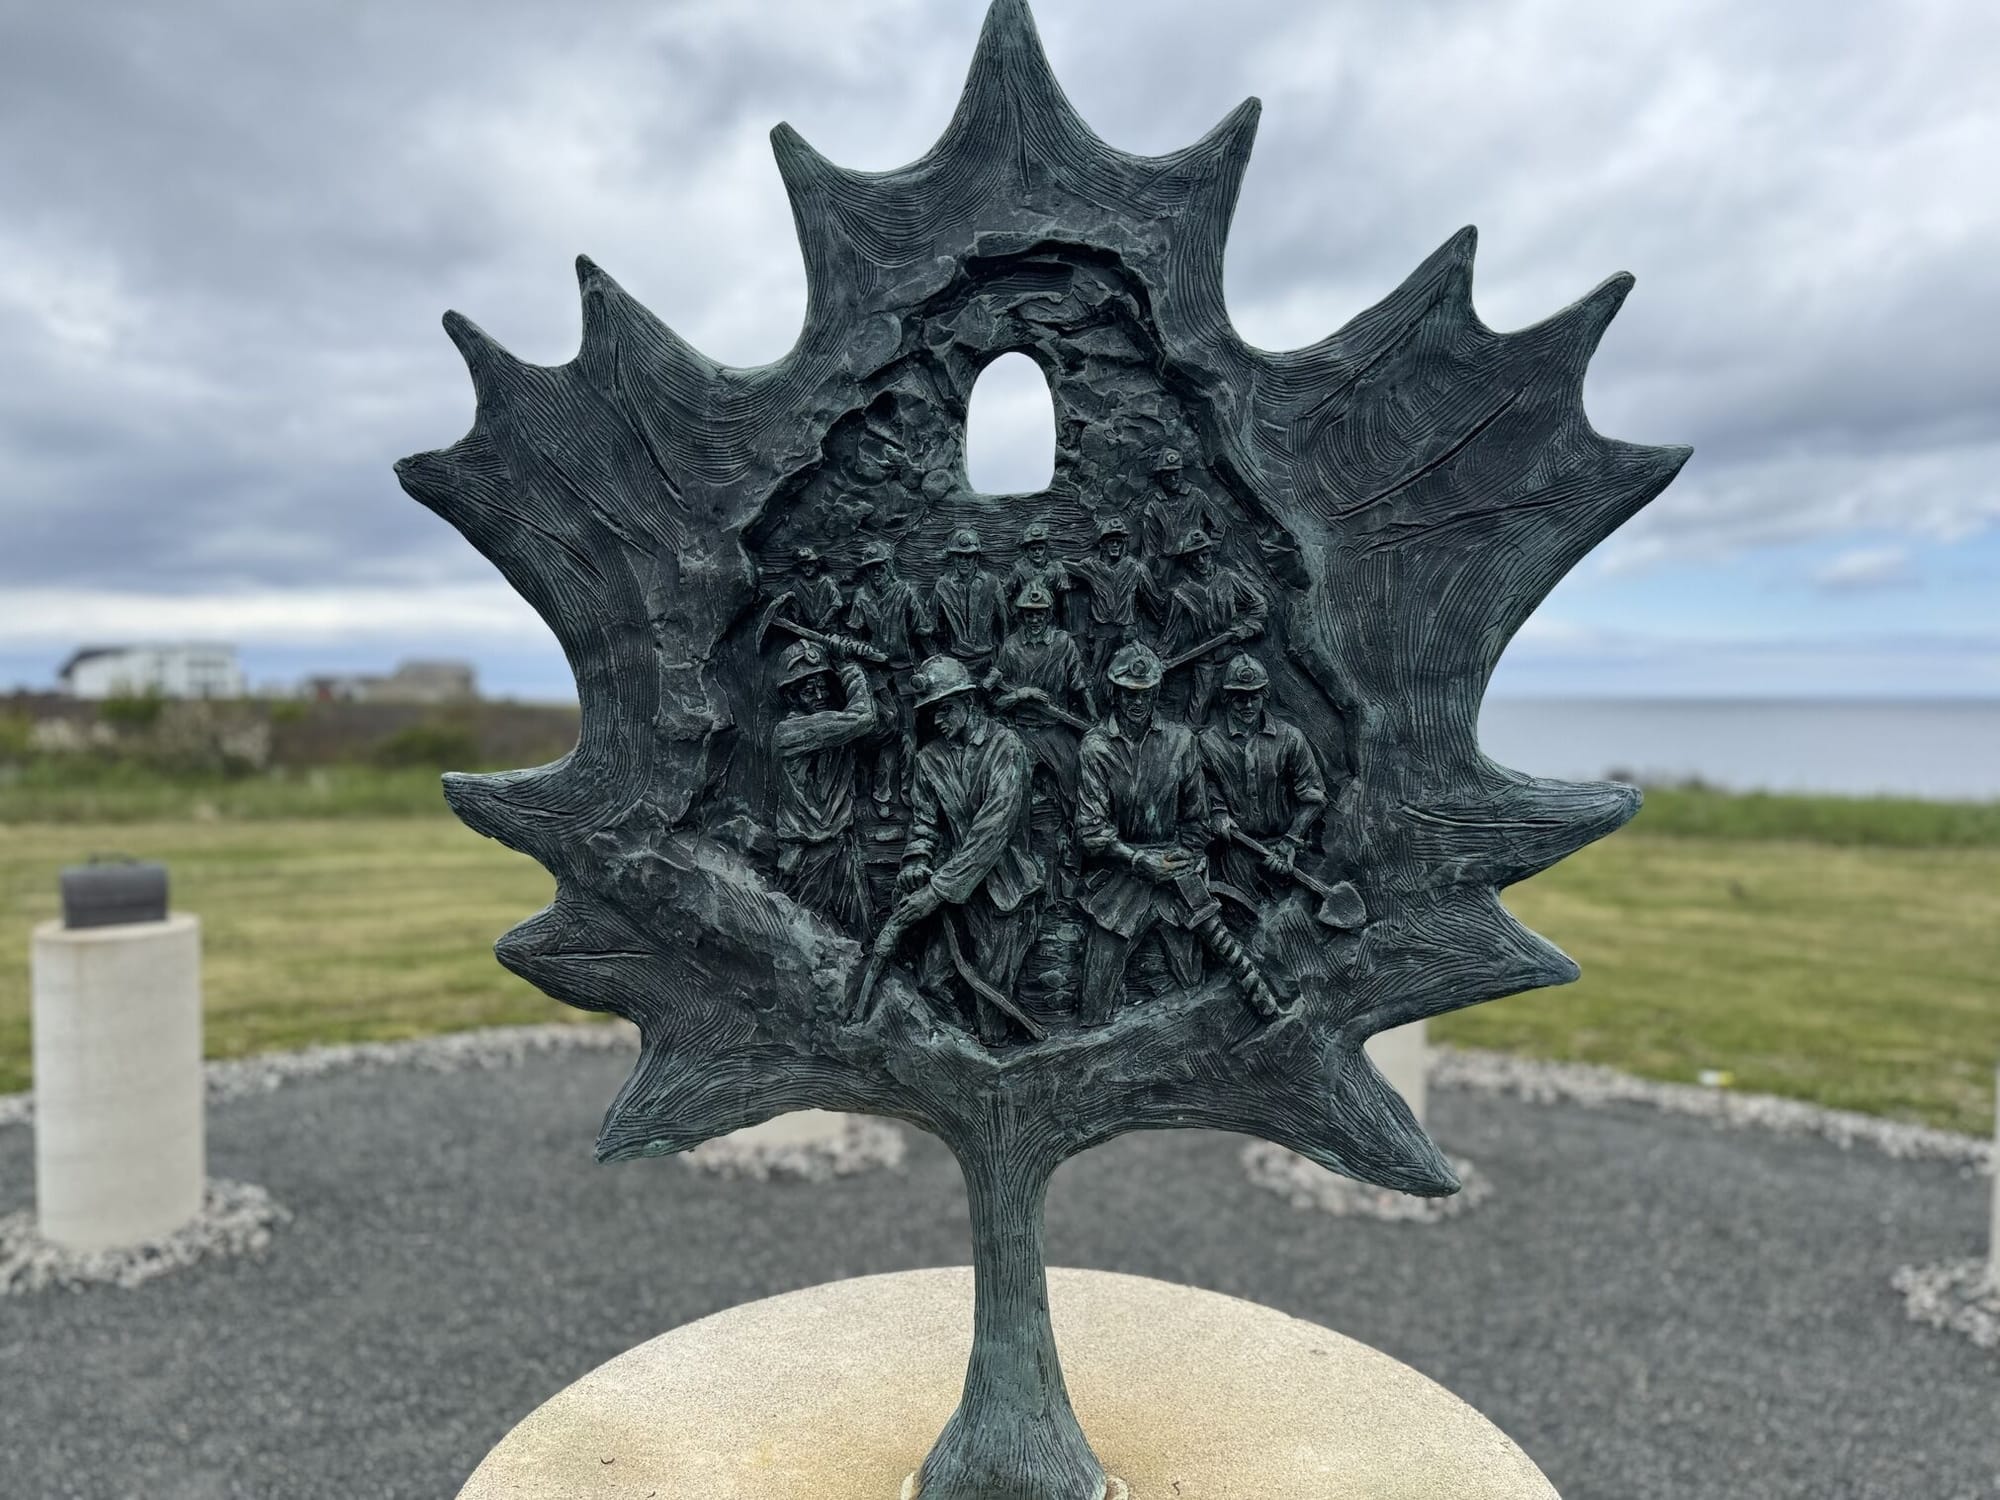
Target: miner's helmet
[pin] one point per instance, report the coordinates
(1168, 461)
(1192, 542)
(1245, 674)
(805, 555)
(1035, 595)
(1114, 527)
(876, 552)
(939, 678)
(1038, 531)
(964, 542)
(802, 660)
(1135, 666)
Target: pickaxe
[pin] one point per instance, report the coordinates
(1340, 904)
(1035, 698)
(1213, 643)
(846, 645)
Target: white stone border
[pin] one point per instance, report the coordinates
(1959, 1296)
(863, 1145)
(1595, 1087)
(1306, 1186)
(1523, 1078)
(236, 1218)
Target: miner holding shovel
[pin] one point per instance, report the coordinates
(1269, 797)
(1142, 814)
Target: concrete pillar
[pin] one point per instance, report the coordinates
(1403, 1055)
(119, 1152)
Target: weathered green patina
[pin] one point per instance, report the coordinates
(1153, 830)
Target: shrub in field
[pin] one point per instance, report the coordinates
(17, 736)
(137, 711)
(433, 746)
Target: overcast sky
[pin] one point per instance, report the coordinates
(227, 230)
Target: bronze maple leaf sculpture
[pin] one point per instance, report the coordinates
(1403, 492)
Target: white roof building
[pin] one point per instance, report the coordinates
(188, 669)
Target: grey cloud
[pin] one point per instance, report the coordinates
(1863, 568)
(227, 230)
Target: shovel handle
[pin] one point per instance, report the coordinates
(1312, 883)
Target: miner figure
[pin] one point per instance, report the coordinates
(1142, 813)
(1038, 676)
(968, 609)
(887, 612)
(816, 596)
(1267, 783)
(819, 860)
(1118, 582)
(1038, 564)
(968, 857)
(1210, 604)
(1175, 509)
(1039, 668)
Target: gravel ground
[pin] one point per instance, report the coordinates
(1651, 1304)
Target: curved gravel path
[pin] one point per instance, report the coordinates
(1652, 1305)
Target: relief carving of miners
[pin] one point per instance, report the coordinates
(968, 861)
(1056, 803)
(1117, 583)
(1213, 610)
(812, 746)
(888, 613)
(968, 604)
(1268, 787)
(1142, 814)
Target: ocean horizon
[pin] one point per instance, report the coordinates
(1943, 749)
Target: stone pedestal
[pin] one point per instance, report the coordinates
(119, 1155)
(837, 1392)
(1403, 1055)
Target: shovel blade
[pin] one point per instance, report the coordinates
(1343, 909)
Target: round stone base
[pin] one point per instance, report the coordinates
(837, 1393)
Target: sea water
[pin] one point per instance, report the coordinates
(1947, 750)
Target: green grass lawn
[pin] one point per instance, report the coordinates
(320, 930)
(1839, 951)
(120, 792)
(1865, 978)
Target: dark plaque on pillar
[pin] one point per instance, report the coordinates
(1139, 802)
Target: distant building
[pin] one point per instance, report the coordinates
(191, 669)
(411, 682)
